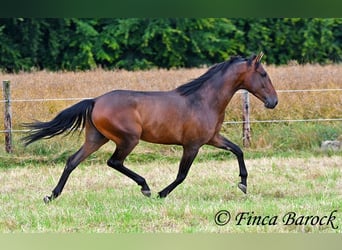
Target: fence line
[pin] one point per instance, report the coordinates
(49, 99)
(289, 120)
(245, 97)
(233, 122)
(83, 98)
(306, 90)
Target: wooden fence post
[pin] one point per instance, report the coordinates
(246, 128)
(7, 116)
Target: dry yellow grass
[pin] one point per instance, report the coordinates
(305, 105)
(47, 85)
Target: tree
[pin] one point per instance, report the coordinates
(144, 43)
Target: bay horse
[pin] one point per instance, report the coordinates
(190, 115)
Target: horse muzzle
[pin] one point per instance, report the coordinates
(271, 103)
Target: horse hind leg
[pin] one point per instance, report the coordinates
(71, 164)
(94, 140)
(116, 162)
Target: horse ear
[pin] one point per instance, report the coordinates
(258, 57)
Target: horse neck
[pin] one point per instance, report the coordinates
(220, 91)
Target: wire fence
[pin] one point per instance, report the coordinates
(8, 130)
(84, 98)
(226, 122)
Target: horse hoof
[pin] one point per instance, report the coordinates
(147, 193)
(47, 199)
(162, 195)
(243, 187)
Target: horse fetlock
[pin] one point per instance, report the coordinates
(163, 194)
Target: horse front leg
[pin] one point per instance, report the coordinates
(189, 154)
(221, 142)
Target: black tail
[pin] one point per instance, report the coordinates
(69, 120)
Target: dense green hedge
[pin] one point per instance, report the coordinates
(143, 43)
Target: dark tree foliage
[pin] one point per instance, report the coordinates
(144, 43)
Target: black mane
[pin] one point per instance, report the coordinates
(194, 85)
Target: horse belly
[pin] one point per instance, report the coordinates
(170, 126)
(162, 132)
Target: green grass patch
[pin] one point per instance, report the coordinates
(98, 199)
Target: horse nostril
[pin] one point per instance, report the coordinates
(275, 103)
(271, 103)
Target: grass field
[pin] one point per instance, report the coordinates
(287, 170)
(98, 199)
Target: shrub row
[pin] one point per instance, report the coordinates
(144, 43)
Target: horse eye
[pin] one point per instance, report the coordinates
(264, 74)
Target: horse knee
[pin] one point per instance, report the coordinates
(239, 153)
(236, 151)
